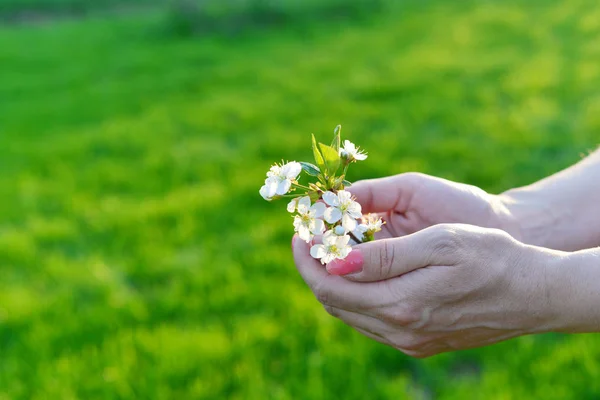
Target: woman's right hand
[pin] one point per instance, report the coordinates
(411, 202)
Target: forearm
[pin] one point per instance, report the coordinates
(573, 292)
(562, 211)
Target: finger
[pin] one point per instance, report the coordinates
(383, 194)
(360, 320)
(389, 258)
(373, 336)
(420, 352)
(332, 290)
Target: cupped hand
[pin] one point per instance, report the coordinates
(444, 288)
(413, 201)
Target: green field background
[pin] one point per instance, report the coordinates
(137, 260)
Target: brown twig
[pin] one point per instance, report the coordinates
(354, 238)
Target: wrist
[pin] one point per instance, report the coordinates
(574, 291)
(533, 281)
(527, 217)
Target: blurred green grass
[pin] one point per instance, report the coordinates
(137, 259)
(196, 17)
(70, 6)
(185, 17)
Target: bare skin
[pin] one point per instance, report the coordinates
(458, 268)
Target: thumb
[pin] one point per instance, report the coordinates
(388, 258)
(384, 194)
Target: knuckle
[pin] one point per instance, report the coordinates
(323, 293)
(380, 261)
(405, 315)
(500, 236)
(410, 342)
(447, 242)
(490, 241)
(412, 175)
(386, 259)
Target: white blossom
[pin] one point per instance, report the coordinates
(371, 223)
(342, 207)
(308, 223)
(266, 191)
(291, 207)
(350, 151)
(333, 247)
(279, 179)
(359, 232)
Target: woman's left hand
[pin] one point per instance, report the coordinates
(444, 288)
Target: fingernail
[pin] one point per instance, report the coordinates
(352, 263)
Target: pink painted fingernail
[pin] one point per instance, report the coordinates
(352, 263)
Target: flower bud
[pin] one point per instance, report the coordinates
(339, 230)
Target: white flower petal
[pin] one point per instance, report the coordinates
(304, 233)
(362, 228)
(318, 251)
(291, 207)
(344, 196)
(331, 199)
(332, 215)
(297, 222)
(348, 222)
(317, 210)
(317, 226)
(271, 185)
(344, 251)
(375, 226)
(354, 209)
(283, 187)
(264, 192)
(351, 151)
(342, 241)
(291, 170)
(359, 233)
(329, 257)
(349, 146)
(304, 205)
(329, 238)
(274, 171)
(372, 222)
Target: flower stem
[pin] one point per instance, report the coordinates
(300, 186)
(346, 170)
(353, 236)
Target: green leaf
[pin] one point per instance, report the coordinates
(331, 159)
(347, 183)
(310, 169)
(337, 138)
(314, 196)
(319, 159)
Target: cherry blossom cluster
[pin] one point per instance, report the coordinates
(324, 209)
